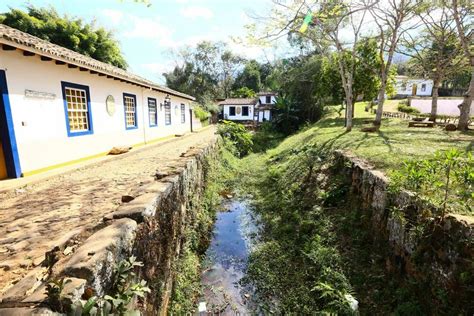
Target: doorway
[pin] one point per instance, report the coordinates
(414, 89)
(9, 161)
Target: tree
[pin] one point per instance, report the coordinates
(389, 16)
(206, 71)
(436, 51)
(230, 64)
(459, 10)
(68, 32)
(249, 77)
(244, 93)
(198, 75)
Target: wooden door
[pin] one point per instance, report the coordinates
(413, 89)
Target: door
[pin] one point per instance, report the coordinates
(3, 165)
(9, 160)
(413, 89)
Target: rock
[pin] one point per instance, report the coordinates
(95, 260)
(352, 302)
(68, 251)
(370, 129)
(141, 207)
(160, 175)
(25, 286)
(127, 198)
(119, 150)
(450, 127)
(26, 311)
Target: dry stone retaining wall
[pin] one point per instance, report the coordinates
(150, 226)
(435, 250)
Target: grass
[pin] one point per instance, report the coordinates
(385, 149)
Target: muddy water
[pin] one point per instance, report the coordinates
(226, 259)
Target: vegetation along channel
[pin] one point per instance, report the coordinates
(304, 227)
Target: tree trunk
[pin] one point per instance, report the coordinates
(434, 101)
(350, 113)
(465, 106)
(381, 100)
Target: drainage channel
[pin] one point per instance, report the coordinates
(234, 235)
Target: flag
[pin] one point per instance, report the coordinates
(308, 18)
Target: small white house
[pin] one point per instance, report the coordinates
(238, 109)
(406, 86)
(58, 106)
(255, 110)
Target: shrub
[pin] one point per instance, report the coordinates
(446, 179)
(201, 113)
(407, 109)
(238, 135)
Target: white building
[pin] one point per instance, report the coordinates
(406, 86)
(58, 106)
(249, 109)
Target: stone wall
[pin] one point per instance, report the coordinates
(149, 225)
(433, 250)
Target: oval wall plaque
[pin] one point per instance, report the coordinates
(110, 105)
(238, 110)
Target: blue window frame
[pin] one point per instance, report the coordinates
(77, 109)
(152, 112)
(130, 110)
(167, 113)
(183, 113)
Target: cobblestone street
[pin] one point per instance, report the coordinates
(38, 216)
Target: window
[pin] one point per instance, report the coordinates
(423, 87)
(77, 109)
(152, 114)
(167, 113)
(130, 107)
(268, 99)
(232, 111)
(183, 113)
(404, 85)
(245, 111)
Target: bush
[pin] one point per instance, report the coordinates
(238, 135)
(200, 113)
(407, 109)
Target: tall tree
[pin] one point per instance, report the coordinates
(436, 50)
(460, 9)
(69, 32)
(249, 77)
(390, 17)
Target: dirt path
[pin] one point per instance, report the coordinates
(37, 217)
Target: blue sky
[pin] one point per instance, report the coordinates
(147, 35)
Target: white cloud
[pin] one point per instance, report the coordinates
(197, 12)
(114, 16)
(147, 28)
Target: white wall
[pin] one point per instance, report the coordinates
(263, 98)
(238, 117)
(264, 114)
(40, 124)
(409, 85)
(445, 106)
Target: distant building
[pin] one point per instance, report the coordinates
(58, 106)
(406, 86)
(249, 110)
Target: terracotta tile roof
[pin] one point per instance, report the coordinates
(25, 41)
(266, 93)
(239, 101)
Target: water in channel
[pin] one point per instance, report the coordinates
(226, 260)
